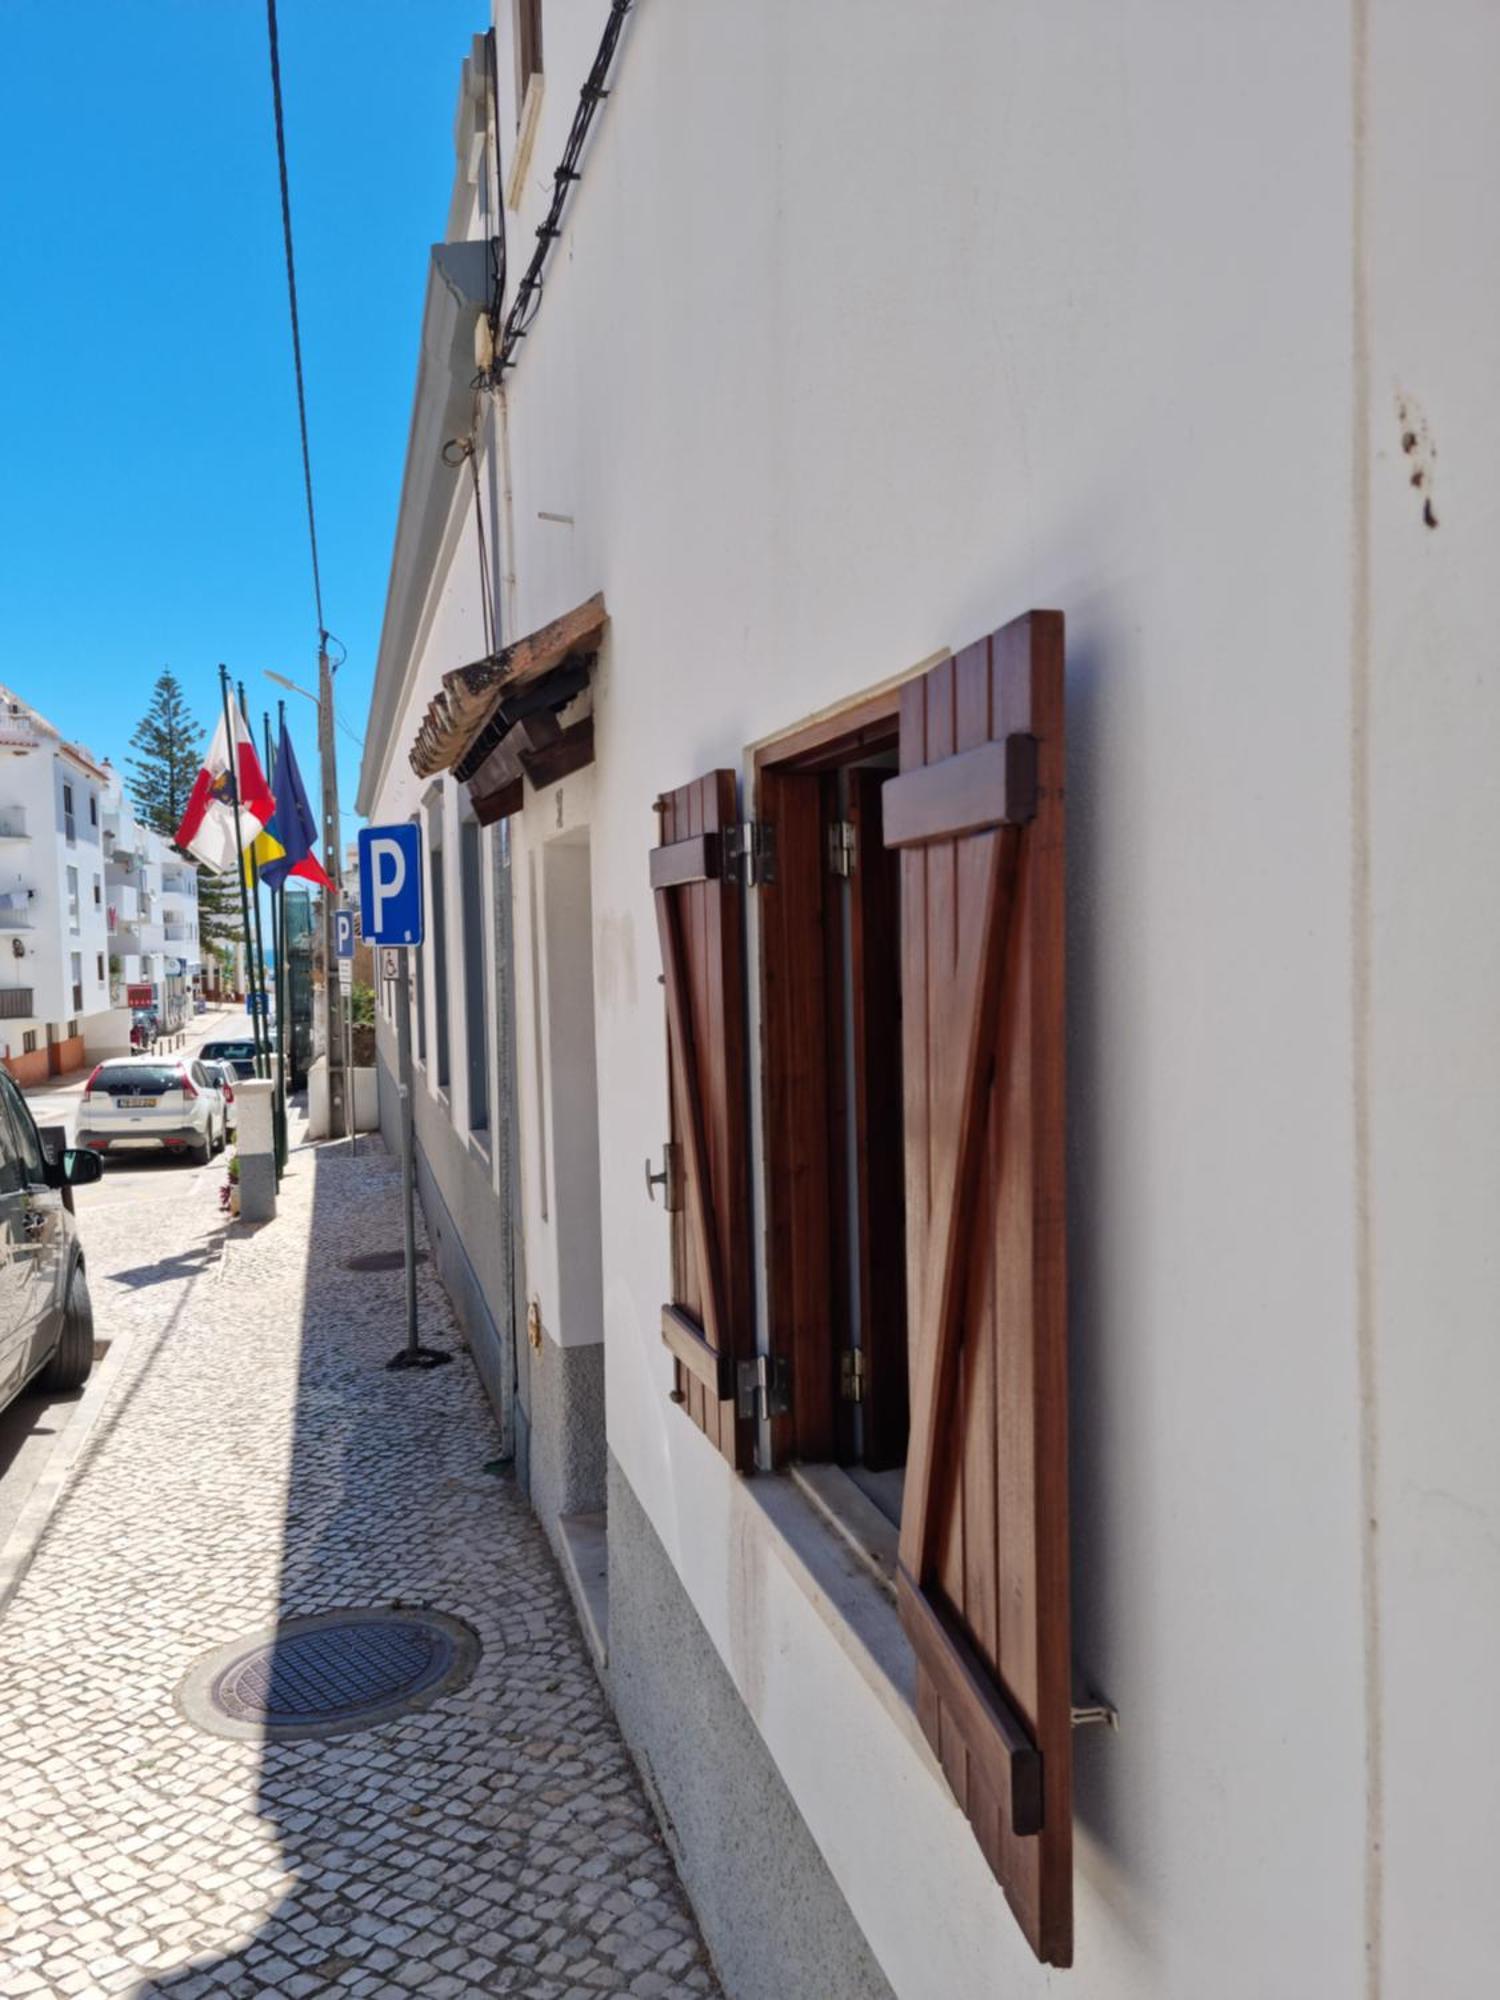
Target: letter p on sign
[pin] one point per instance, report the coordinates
(390, 885)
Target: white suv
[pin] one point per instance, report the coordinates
(153, 1101)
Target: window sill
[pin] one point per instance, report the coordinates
(833, 1549)
(479, 1144)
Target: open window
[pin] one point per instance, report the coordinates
(907, 854)
(831, 1014)
(912, 996)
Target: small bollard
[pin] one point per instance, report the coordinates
(256, 1142)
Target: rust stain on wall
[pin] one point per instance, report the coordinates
(1420, 453)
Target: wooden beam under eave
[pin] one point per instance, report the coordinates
(469, 696)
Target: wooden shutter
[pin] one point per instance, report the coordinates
(977, 811)
(708, 1322)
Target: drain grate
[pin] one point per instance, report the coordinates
(381, 1260)
(323, 1675)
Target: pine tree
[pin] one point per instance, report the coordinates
(168, 741)
(170, 747)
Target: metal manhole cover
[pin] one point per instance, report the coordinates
(381, 1260)
(324, 1675)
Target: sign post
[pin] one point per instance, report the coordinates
(390, 901)
(343, 944)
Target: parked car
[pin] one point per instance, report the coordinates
(47, 1328)
(240, 1055)
(227, 1077)
(134, 1103)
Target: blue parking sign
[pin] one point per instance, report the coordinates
(390, 885)
(343, 933)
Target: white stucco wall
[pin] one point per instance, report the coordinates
(872, 327)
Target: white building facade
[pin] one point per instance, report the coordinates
(1106, 400)
(54, 934)
(156, 955)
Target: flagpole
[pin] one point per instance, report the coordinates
(232, 753)
(283, 974)
(260, 949)
(278, 949)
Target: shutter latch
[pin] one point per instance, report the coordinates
(852, 1375)
(749, 852)
(764, 1387)
(842, 847)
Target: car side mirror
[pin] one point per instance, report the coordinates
(81, 1167)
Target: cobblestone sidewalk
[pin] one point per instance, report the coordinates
(257, 1462)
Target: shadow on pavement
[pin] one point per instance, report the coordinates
(497, 1840)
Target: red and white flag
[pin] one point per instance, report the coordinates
(208, 830)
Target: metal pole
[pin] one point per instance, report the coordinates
(333, 1038)
(234, 793)
(349, 1073)
(283, 976)
(278, 949)
(413, 1355)
(259, 967)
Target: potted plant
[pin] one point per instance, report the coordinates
(229, 1193)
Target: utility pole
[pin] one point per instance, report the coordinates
(333, 1001)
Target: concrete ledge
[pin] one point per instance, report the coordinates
(583, 1550)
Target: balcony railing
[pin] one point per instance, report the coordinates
(15, 1003)
(15, 911)
(13, 823)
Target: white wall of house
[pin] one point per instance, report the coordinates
(53, 913)
(871, 328)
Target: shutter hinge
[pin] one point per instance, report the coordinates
(852, 1375)
(842, 847)
(749, 852)
(764, 1387)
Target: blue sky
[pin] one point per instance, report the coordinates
(151, 502)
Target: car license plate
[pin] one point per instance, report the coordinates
(137, 1103)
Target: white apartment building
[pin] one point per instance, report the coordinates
(97, 912)
(54, 924)
(155, 949)
(1063, 1273)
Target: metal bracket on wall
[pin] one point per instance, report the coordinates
(842, 847)
(1090, 1709)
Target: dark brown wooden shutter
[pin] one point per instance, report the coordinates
(708, 1323)
(983, 1582)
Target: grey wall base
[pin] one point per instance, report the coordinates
(774, 1918)
(565, 1412)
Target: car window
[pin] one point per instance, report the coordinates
(28, 1141)
(137, 1079)
(13, 1175)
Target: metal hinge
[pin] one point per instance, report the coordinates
(764, 1387)
(749, 852)
(852, 1375)
(842, 847)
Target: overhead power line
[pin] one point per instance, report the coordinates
(291, 286)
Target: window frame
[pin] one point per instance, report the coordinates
(807, 1248)
(526, 18)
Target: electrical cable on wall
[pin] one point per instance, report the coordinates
(529, 291)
